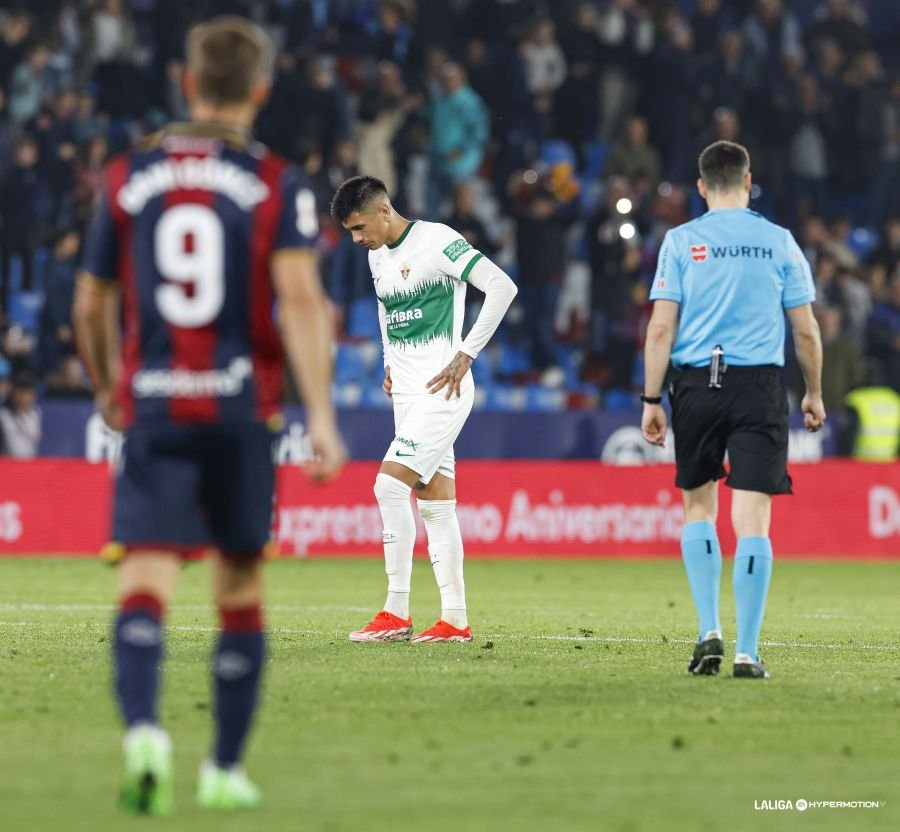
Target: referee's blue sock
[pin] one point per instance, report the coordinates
(703, 562)
(752, 573)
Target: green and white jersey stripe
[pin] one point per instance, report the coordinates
(420, 281)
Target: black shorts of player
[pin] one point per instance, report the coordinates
(183, 488)
(747, 417)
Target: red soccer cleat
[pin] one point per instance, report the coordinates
(385, 627)
(442, 631)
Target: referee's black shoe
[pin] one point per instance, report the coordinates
(745, 667)
(708, 655)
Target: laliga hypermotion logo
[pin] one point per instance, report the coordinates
(404, 271)
(698, 253)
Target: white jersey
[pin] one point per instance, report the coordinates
(420, 280)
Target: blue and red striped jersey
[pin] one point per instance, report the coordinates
(187, 223)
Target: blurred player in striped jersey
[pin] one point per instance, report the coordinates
(420, 270)
(198, 231)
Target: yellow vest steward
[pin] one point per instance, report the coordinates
(878, 439)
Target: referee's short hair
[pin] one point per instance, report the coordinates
(723, 165)
(355, 195)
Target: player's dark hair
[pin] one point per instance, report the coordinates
(723, 165)
(227, 56)
(355, 195)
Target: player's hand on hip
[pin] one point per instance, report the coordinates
(813, 412)
(451, 376)
(387, 385)
(109, 409)
(654, 424)
(329, 451)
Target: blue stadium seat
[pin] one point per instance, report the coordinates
(620, 401)
(349, 364)
(505, 397)
(373, 397)
(554, 151)
(862, 241)
(540, 398)
(25, 309)
(595, 155)
(482, 371)
(512, 360)
(346, 396)
(362, 322)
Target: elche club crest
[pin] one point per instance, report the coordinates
(698, 253)
(404, 271)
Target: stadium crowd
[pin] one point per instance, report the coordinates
(559, 137)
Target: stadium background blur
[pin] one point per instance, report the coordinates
(562, 142)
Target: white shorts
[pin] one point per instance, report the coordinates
(426, 428)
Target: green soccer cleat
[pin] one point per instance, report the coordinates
(226, 788)
(147, 789)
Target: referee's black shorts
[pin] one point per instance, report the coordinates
(747, 417)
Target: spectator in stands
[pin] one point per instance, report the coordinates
(5, 380)
(56, 340)
(20, 418)
(383, 108)
(9, 136)
(15, 34)
(545, 68)
(393, 40)
(843, 367)
(841, 22)
(464, 219)
(710, 22)
(577, 100)
(26, 89)
(887, 253)
(719, 76)
(635, 158)
(18, 347)
(459, 133)
(885, 198)
(544, 207)
(807, 153)
(69, 380)
(884, 336)
(770, 32)
(23, 203)
(627, 33)
(615, 264)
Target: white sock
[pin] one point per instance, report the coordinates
(399, 540)
(445, 548)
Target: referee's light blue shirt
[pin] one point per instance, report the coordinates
(732, 272)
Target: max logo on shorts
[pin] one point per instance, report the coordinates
(413, 446)
(698, 253)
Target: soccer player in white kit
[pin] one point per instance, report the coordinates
(420, 271)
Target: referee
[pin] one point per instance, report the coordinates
(721, 284)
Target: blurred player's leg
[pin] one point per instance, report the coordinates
(702, 558)
(393, 622)
(146, 581)
(237, 666)
(751, 514)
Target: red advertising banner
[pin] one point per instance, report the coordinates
(506, 508)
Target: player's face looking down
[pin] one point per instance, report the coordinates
(371, 226)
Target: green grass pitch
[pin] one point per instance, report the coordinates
(571, 711)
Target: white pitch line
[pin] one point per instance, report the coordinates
(516, 636)
(798, 644)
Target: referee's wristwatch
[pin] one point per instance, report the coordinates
(651, 399)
